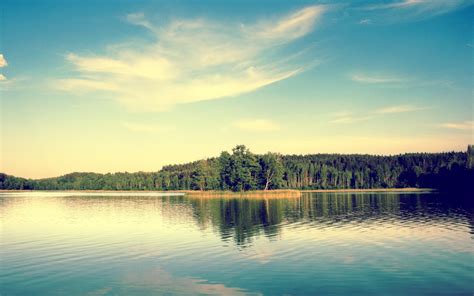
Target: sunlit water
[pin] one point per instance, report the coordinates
(319, 244)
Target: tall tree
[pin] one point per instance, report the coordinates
(271, 170)
(198, 176)
(244, 169)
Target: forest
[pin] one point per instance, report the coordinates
(242, 170)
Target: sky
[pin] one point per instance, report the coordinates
(108, 86)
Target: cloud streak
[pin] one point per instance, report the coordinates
(349, 117)
(398, 4)
(194, 60)
(398, 109)
(404, 10)
(365, 21)
(375, 79)
(464, 125)
(400, 80)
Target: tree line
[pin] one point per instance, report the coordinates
(243, 170)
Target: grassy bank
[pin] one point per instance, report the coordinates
(283, 193)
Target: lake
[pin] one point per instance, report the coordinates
(55, 243)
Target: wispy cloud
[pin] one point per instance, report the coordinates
(257, 125)
(374, 78)
(351, 118)
(464, 125)
(399, 80)
(413, 9)
(346, 117)
(146, 128)
(14, 83)
(398, 109)
(139, 19)
(194, 60)
(365, 21)
(8, 83)
(399, 4)
(288, 28)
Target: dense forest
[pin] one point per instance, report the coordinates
(242, 170)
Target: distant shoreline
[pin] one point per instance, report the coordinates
(254, 193)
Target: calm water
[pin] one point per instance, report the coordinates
(346, 244)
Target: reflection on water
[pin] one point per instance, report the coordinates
(242, 219)
(319, 243)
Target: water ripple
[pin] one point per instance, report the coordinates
(352, 244)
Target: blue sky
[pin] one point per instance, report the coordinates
(134, 85)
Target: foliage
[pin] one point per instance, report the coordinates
(271, 172)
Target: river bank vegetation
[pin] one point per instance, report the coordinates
(243, 170)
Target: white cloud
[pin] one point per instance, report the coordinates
(146, 128)
(256, 125)
(291, 27)
(365, 21)
(414, 9)
(345, 117)
(398, 109)
(374, 79)
(3, 61)
(398, 80)
(139, 19)
(399, 4)
(464, 125)
(194, 60)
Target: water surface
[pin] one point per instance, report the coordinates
(338, 244)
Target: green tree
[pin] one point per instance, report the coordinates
(244, 169)
(225, 165)
(198, 178)
(271, 173)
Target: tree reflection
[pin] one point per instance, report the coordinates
(244, 219)
(240, 218)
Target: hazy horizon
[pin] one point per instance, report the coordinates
(132, 86)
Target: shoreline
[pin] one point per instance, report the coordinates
(279, 193)
(213, 193)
